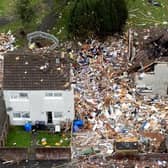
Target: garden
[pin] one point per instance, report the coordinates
(18, 137)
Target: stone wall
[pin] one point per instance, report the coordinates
(4, 121)
(4, 132)
(19, 154)
(59, 153)
(13, 154)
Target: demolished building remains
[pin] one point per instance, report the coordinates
(109, 103)
(111, 107)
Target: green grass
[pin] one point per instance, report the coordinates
(61, 28)
(18, 136)
(52, 139)
(16, 25)
(13, 26)
(143, 14)
(6, 6)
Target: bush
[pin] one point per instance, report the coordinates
(97, 16)
(25, 10)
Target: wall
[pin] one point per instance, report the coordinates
(53, 153)
(16, 154)
(38, 105)
(161, 79)
(4, 121)
(4, 132)
(19, 154)
(158, 80)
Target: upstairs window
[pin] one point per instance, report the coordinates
(53, 95)
(23, 95)
(16, 96)
(49, 94)
(57, 94)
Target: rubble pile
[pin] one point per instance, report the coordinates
(99, 162)
(150, 44)
(108, 103)
(6, 44)
(157, 44)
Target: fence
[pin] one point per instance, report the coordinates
(13, 154)
(4, 121)
(19, 154)
(4, 132)
(59, 153)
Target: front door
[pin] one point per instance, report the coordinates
(49, 117)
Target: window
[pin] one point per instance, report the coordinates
(57, 114)
(57, 60)
(25, 115)
(14, 96)
(21, 115)
(49, 94)
(53, 95)
(16, 115)
(57, 94)
(22, 95)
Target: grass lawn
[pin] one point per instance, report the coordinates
(52, 139)
(18, 136)
(6, 6)
(61, 29)
(143, 14)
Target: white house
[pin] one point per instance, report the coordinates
(37, 87)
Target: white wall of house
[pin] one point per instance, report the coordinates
(157, 80)
(33, 106)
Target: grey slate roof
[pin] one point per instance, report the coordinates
(27, 70)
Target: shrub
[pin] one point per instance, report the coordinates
(97, 16)
(25, 10)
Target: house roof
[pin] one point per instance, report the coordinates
(27, 70)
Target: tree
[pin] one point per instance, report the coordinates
(25, 10)
(97, 16)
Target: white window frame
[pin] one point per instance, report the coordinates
(59, 116)
(21, 115)
(23, 95)
(14, 97)
(16, 113)
(19, 97)
(25, 112)
(57, 94)
(48, 94)
(53, 95)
